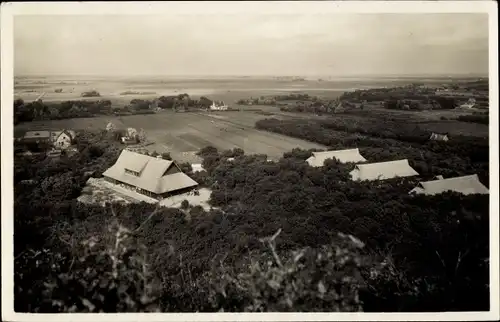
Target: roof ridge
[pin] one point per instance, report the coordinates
(456, 178)
(330, 151)
(393, 161)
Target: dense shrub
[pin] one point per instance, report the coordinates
(326, 278)
(391, 141)
(481, 119)
(435, 249)
(110, 275)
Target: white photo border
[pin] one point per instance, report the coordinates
(10, 10)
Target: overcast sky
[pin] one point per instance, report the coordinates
(329, 44)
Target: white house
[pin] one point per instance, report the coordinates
(383, 170)
(110, 127)
(465, 185)
(439, 137)
(218, 106)
(131, 132)
(471, 103)
(62, 139)
(344, 156)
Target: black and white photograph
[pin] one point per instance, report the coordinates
(250, 157)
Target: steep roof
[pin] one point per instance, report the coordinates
(383, 170)
(438, 136)
(344, 156)
(151, 171)
(466, 185)
(70, 133)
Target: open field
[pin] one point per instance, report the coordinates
(182, 134)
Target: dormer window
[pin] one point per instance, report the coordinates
(134, 173)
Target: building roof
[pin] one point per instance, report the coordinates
(466, 185)
(151, 171)
(56, 134)
(437, 136)
(37, 135)
(383, 170)
(344, 156)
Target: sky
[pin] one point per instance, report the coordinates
(334, 44)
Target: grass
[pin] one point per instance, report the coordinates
(178, 133)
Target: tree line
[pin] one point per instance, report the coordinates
(386, 140)
(39, 110)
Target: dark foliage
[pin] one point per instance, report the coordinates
(433, 251)
(481, 119)
(384, 141)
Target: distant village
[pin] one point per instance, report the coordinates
(473, 96)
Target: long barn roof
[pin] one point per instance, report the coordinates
(466, 185)
(344, 156)
(383, 170)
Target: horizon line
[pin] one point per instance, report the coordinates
(262, 75)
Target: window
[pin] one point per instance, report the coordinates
(134, 173)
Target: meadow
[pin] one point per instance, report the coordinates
(182, 134)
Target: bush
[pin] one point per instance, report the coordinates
(166, 156)
(481, 119)
(91, 94)
(184, 204)
(421, 238)
(111, 274)
(324, 279)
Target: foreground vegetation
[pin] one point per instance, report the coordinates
(280, 236)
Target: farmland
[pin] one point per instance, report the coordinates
(182, 134)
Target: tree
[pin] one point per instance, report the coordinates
(186, 167)
(205, 102)
(166, 156)
(141, 134)
(110, 276)
(184, 204)
(446, 103)
(208, 150)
